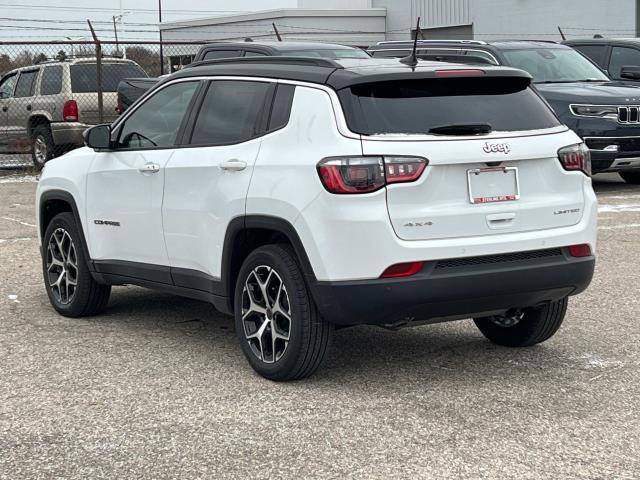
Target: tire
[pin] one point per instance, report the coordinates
(536, 325)
(42, 146)
(302, 337)
(64, 261)
(632, 178)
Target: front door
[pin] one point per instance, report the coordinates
(125, 187)
(7, 85)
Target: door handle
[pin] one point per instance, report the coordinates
(29, 107)
(4, 109)
(233, 165)
(149, 168)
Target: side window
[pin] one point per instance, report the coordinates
(51, 82)
(622, 57)
(7, 85)
(231, 112)
(26, 82)
(281, 109)
(249, 53)
(215, 54)
(157, 121)
(597, 53)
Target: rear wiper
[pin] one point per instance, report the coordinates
(462, 129)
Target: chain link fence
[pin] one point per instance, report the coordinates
(51, 91)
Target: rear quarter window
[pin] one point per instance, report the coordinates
(417, 106)
(84, 76)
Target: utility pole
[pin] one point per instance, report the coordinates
(98, 71)
(160, 29)
(115, 32)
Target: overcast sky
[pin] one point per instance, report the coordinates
(64, 18)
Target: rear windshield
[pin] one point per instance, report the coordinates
(83, 76)
(417, 106)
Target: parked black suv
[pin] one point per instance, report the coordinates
(619, 57)
(131, 89)
(605, 113)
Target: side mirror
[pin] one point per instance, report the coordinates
(630, 73)
(98, 137)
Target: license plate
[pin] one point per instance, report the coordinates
(488, 185)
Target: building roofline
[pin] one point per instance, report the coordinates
(273, 14)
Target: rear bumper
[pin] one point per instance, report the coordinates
(455, 291)
(68, 133)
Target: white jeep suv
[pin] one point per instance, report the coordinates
(302, 194)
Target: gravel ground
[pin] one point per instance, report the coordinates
(158, 388)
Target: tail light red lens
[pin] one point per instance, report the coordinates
(402, 270)
(578, 251)
(70, 111)
(576, 157)
(118, 104)
(460, 73)
(349, 175)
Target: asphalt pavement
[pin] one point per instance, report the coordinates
(157, 387)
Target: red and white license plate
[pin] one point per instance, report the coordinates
(495, 184)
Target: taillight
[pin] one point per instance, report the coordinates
(582, 250)
(348, 175)
(70, 111)
(576, 157)
(402, 270)
(119, 109)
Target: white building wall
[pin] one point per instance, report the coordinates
(527, 19)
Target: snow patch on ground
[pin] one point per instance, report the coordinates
(19, 179)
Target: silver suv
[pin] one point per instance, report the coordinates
(45, 108)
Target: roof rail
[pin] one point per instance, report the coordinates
(461, 42)
(282, 60)
(526, 40)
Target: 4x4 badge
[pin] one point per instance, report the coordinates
(497, 148)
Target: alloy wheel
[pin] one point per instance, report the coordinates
(40, 150)
(266, 314)
(62, 266)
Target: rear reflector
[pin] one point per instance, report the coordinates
(460, 73)
(582, 250)
(402, 270)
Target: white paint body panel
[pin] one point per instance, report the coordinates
(346, 237)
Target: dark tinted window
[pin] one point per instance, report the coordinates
(231, 112)
(416, 106)
(157, 121)
(83, 76)
(622, 57)
(7, 85)
(281, 109)
(597, 53)
(213, 54)
(51, 82)
(249, 53)
(333, 53)
(26, 82)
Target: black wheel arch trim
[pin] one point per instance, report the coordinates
(66, 197)
(239, 225)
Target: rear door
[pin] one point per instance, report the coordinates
(84, 88)
(509, 180)
(206, 181)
